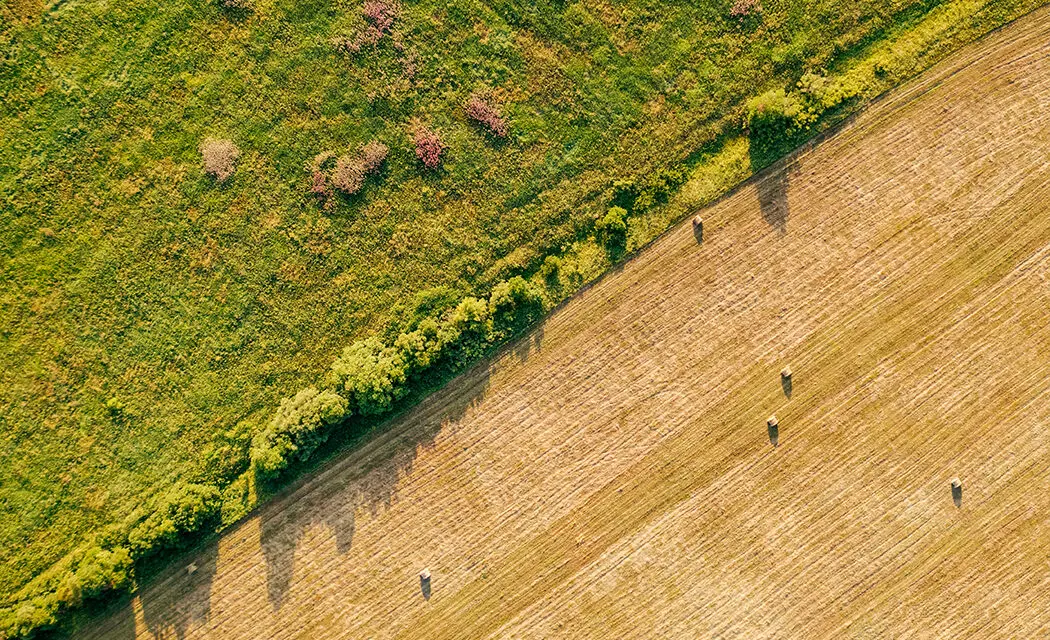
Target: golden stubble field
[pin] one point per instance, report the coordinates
(612, 475)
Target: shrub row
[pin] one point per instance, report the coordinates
(371, 375)
(107, 564)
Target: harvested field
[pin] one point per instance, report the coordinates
(612, 476)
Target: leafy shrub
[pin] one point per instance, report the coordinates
(237, 5)
(613, 228)
(98, 571)
(464, 334)
(487, 116)
(183, 510)
(420, 347)
(514, 305)
(550, 271)
(299, 426)
(84, 575)
(219, 157)
(370, 374)
(429, 146)
(227, 456)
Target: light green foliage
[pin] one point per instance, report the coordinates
(420, 347)
(613, 228)
(297, 428)
(370, 374)
(163, 523)
(514, 305)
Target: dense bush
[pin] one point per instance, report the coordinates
(487, 116)
(514, 305)
(744, 8)
(429, 146)
(299, 426)
(219, 158)
(373, 155)
(166, 522)
(613, 228)
(370, 374)
(349, 175)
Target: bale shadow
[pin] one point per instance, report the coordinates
(424, 587)
(785, 383)
(957, 495)
(774, 434)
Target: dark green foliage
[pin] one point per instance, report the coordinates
(464, 335)
(514, 305)
(299, 426)
(613, 229)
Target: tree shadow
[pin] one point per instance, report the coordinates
(185, 602)
(179, 598)
(367, 478)
(772, 197)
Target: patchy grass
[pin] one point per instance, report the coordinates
(147, 308)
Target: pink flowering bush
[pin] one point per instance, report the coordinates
(379, 16)
(373, 155)
(743, 8)
(487, 116)
(429, 147)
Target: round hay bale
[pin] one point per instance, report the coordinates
(698, 222)
(956, 483)
(424, 575)
(772, 421)
(786, 372)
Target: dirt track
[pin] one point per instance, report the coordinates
(613, 477)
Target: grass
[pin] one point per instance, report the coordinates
(146, 309)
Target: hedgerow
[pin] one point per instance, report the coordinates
(106, 564)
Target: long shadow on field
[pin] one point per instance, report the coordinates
(368, 477)
(182, 601)
(772, 197)
(185, 602)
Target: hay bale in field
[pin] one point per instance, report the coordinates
(191, 568)
(424, 583)
(698, 228)
(785, 381)
(785, 372)
(957, 492)
(773, 427)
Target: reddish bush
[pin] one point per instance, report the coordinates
(321, 189)
(486, 115)
(428, 147)
(373, 155)
(219, 157)
(744, 8)
(349, 175)
(380, 17)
